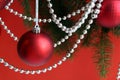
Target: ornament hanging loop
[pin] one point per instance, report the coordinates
(36, 28)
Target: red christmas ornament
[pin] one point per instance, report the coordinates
(35, 49)
(110, 14)
(3, 3)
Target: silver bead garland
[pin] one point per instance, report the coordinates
(87, 10)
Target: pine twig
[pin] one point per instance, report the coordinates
(103, 53)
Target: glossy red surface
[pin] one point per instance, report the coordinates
(110, 14)
(80, 67)
(35, 49)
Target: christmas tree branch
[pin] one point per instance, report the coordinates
(116, 30)
(103, 52)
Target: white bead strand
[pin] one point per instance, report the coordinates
(72, 50)
(45, 69)
(81, 21)
(8, 31)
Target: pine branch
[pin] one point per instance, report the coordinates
(88, 40)
(103, 53)
(116, 31)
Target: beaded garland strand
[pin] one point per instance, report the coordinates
(88, 9)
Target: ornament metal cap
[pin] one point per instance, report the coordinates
(36, 29)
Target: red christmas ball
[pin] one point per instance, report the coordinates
(110, 14)
(35, 49)
(3, 3)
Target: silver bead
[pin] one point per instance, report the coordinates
(94, 16)
(39, 20)
(50, 68)
(90, 21)
(11, 10)
(54, 16)
(85, 32)
(51, 11)
(29, 18)
(6, 7)
(72, 51)
(8, 4)
(96, 11)
(49, 20)
(64, 18)
(82, 37)
(82, 20)
(38, 71)
(16, 13)
(11, 35)
(75, 46)
(87, 26)
(11, 67)
(83, 8)
(44, 20)
(54, 66)
(68, 55)
(92, 4)
(49, 5)
(69, 16)
(24, 17)
(15, 38)
(63, 40)
(70, 34)
(78, 11)
(60, 25)
(64, 59)
(32, 72)
(57, 21)
(59, 18)
(20, 15)
(44, 70)
(88, 11)
(16, 69)
(5, 27)
(85, 16)
(6, 64)
(27, 72)
(58, 42)
(1, 60)
(60, 62)
(55, 45)
(2, 23)
(78, 41)
(98, 5)
(73, 14)
(66, 37)
(22, 71)
(8, 31)
(79, 25)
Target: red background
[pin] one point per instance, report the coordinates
(81, 67)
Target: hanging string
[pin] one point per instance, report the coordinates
(37, 12)
(37, 27)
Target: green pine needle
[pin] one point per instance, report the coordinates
(103, 53)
